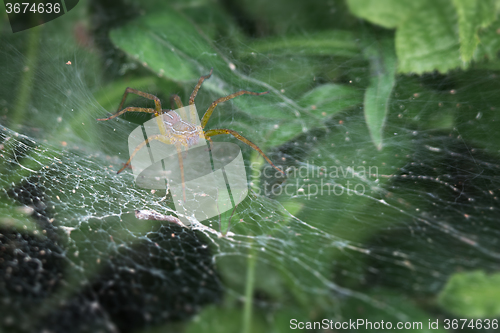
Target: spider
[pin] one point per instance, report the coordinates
(176, 131)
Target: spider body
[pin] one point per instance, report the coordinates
(180, 131)
(175, 130)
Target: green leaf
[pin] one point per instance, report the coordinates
(472, 15)
(428, 40)
(383, 70)
(154, 52)
(171, 45)
(321, 102)
(472, 295)
(339, 43)
(386, 13)
(329, 99)
(426, 31)
(284, 132)
(490, 42)
(160, 42)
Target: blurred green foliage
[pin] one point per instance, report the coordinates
(472, 295)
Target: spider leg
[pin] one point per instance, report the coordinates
(181, 165)
(193, 114)
(143, 94)
(161, 138)
(200, 81)
(157, 137)
(129, 109)
(210, 110)
(156, 110)
(174, 98)
(211, 142)
(238, 136)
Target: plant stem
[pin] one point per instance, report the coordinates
(249, 288)
(27, 78)
(255, 160)
(256, 163)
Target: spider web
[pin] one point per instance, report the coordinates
(75, 257)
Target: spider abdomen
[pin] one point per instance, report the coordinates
(181, 131)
